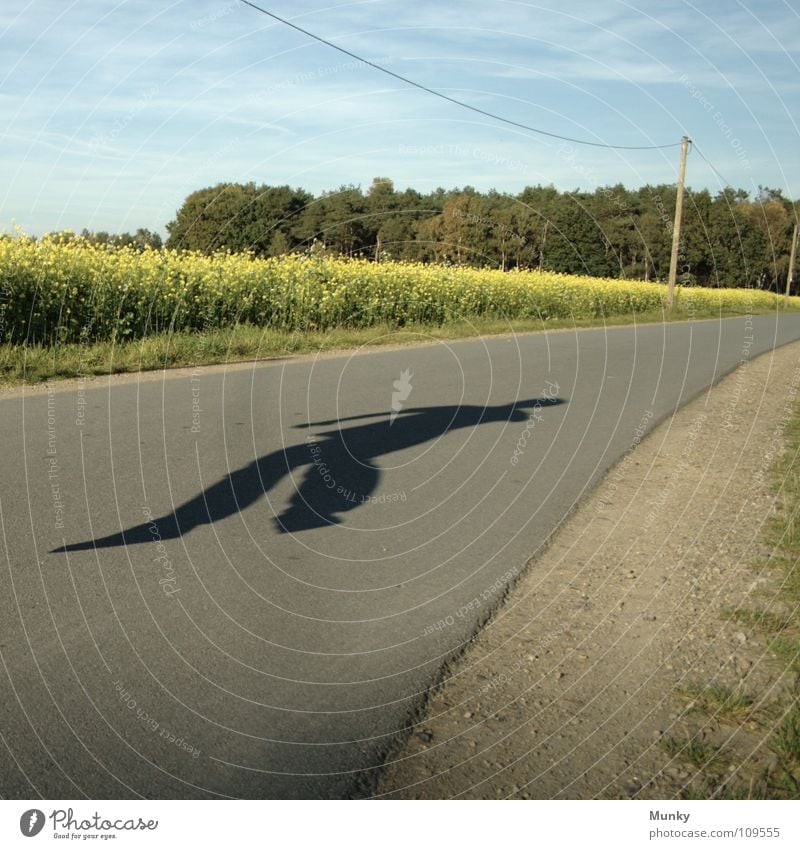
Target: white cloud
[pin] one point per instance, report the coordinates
(155, 100)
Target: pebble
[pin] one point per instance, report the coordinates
(689, 580)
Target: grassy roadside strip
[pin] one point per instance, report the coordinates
(771, 729)
(36, 363)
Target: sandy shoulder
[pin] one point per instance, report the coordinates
(572, 687)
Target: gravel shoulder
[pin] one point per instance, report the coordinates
(579, 682)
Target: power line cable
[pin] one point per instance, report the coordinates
(711, 165)
(454, 100)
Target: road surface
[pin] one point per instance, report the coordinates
(241, 582)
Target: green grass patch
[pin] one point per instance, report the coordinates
(699, 753)
(786, 737)
(37, 363)
(720, 701)
(761, 620)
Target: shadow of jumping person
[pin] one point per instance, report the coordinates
(339, 471)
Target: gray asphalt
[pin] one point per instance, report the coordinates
(240, 583)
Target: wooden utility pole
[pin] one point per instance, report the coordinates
(792, 255)
(676, 230)
(544, 239)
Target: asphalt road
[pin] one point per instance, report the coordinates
(240, 582)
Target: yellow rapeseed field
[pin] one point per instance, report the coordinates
(63, 289)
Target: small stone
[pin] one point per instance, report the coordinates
(467, 714)
(426, 736)
(741, 637)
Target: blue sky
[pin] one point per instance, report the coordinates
(113, 112)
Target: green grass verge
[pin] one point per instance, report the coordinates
(719, 701)
(35, 363)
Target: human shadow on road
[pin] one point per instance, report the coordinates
(339, 471)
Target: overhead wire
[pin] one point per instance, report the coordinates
(454, 100)
(711, 165)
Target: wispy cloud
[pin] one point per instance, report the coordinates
(177, 95)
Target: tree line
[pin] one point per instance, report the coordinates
(140, 239)
(728, 239)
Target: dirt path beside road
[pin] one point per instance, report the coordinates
(577, 686)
